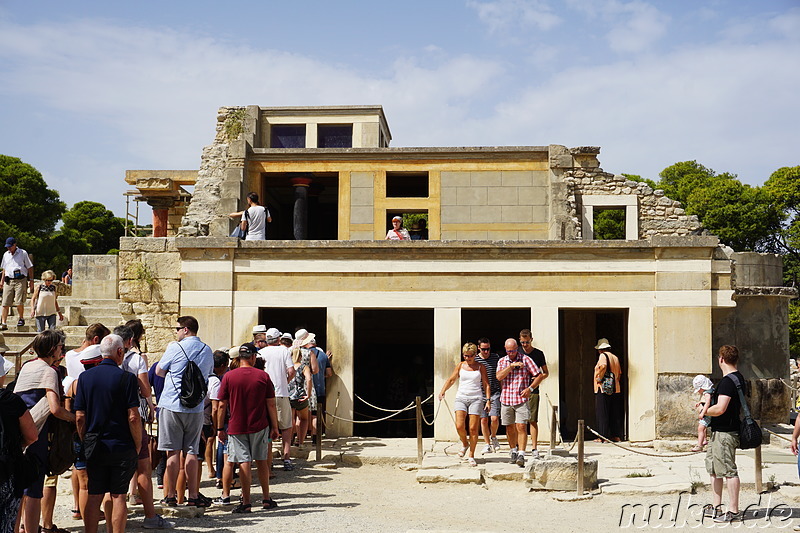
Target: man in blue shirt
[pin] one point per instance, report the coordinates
(179, 427)
(107, 411)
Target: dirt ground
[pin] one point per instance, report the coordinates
(387, 499)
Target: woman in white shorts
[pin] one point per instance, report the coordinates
(472, 397)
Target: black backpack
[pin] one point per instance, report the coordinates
(193, 383)
(750, 435)
(61, 451)
(24, 467)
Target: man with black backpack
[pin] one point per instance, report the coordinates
(724, 439)
(185, 367)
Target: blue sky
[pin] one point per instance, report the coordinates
(91, 89)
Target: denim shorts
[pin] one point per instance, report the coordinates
(472, 406)
(494, 409)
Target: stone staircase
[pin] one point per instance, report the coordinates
(80, 312)
(15, 345)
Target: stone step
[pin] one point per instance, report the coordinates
(450, 475)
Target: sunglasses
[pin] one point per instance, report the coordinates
(484, 349)
(179, 328)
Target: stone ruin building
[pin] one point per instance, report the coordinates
(511, 245)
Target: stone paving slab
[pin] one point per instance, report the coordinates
(450, 475)
(503, 472)
(639, 486)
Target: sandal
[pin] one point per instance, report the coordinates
(697, 448)
(170, 502)
(197, 502)
(241, 508)
(268, 504)
(463, 451)
(76, 514)
(53, 529)
(472, 461)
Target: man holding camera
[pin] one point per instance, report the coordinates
(17, 278)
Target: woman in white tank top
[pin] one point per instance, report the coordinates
(472, 396)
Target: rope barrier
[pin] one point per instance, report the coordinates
(777, 435)
(618, 445)
(560, 434)
(364, 421)
(412, 404)
(790, 387)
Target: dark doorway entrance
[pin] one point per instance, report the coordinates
(393, 363)
(323, 204)
(579, 330)
(497, 325)
(290, 319)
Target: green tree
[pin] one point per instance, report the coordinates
(743, 217)
(26, 204)
(609, 224)
(95, 225)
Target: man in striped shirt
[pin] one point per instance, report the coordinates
(490, 420)
(515, 371)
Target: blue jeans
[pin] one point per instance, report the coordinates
(45, 322)
(222, 448)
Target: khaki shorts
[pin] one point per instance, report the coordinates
(533, 407)
(284, 412)
(249, 447)
(721, 454)
(514, 414)
(51, 481)
(14, 292)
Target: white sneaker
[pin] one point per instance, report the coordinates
(157, 522)
(487, 449)
(535, 454)
(496, 444)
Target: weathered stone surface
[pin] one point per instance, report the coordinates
(450, 475)
(181, 511)
(560, 473)
(675, 415)
(142, 244)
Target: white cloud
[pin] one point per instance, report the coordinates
(505, 15)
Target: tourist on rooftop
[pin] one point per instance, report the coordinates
(398, 233)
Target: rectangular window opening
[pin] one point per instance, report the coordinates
(414, 220)
(407, 185)
(335, 135)
(609, 223)
(288, 136)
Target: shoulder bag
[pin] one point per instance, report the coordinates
(608, 385)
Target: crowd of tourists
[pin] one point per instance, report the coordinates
(124, 419)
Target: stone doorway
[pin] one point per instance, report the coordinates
(393, 363)
(495, 324)
(319, 192)
(290, 319)
(579, 330)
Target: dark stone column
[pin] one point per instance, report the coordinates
(300, 218)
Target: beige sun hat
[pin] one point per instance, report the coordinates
(602, 344)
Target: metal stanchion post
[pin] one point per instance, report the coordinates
(757, 457)
(320, 428)
(553, 426)
(580, 457)
(419, 430)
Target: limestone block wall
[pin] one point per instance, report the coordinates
(362, 200)
(495, 205)
(149, 287)
(658, 214)
(95, 276)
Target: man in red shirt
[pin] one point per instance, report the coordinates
(250, 396)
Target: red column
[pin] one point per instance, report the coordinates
(160, 216)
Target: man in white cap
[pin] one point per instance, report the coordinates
(278, 364)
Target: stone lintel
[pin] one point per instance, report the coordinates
(179, 177)
(475, 153)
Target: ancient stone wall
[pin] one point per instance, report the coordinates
(206, 206)
(658, 214)
(149, 287)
